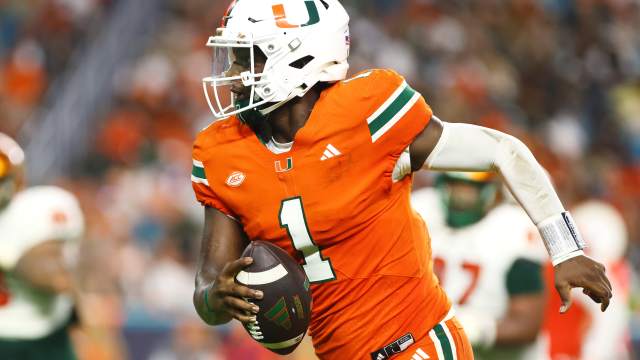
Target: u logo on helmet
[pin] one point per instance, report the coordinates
(281, 16)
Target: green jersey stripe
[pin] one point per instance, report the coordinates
(408, 106)
(393, 112)
(199, 180)
(198, 174)
(398, 103)
(388, 102)
(444, 342)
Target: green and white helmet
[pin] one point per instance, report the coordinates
(462, 210)
(304, 41)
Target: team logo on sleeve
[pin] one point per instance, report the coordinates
(236, 179)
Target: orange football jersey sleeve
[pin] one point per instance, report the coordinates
(395, 113)
(201, 187)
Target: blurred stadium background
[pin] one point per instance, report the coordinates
(105, 95)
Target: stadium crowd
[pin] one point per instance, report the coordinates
(563, 75)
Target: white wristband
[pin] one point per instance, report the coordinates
(561, 237)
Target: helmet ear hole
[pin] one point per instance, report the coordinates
(302, 62)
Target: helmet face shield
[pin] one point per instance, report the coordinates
(223, 57)
(231, 88)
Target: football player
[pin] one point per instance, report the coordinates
(499, 296)
(39, 229)
(304, 158)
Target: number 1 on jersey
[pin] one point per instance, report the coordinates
(317, 268)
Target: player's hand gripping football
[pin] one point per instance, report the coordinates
(227, 296)
(582, 272)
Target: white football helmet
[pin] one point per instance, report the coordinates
(11, 169)
(304, 41)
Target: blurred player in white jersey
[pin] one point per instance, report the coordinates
(499, 295)
(39, 230)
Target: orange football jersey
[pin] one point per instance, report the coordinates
(330, 202)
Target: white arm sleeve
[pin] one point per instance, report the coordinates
(465, 147)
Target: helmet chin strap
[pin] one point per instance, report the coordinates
(276, 106)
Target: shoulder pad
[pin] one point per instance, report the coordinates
(365, 91)
(218, 133)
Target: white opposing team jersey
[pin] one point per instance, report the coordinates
(473, 262)
(34, 216)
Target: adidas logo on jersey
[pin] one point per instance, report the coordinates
(330, 152)
(420, 355)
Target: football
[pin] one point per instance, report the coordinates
(285, 309)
